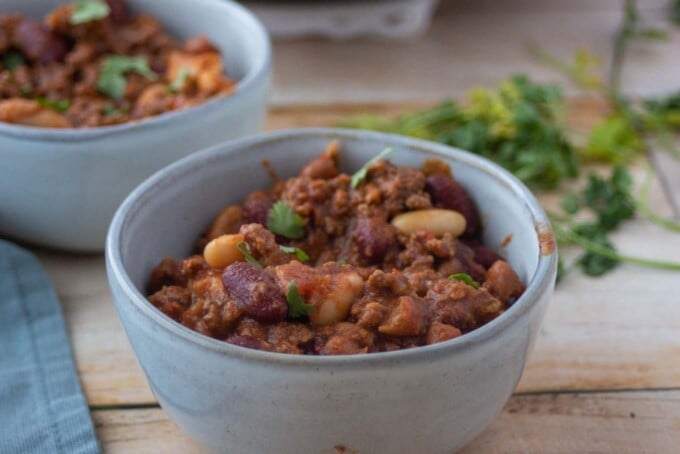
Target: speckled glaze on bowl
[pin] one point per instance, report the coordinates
(60, 188)
(431, 399)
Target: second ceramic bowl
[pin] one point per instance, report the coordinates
(60, 188)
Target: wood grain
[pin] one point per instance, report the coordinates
(631, 422)
(472, 43)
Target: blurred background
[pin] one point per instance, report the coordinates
(449, 46)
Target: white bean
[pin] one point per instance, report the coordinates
(223, 251)
(435, 220)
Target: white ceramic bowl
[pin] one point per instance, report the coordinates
(60, 188)
(431, 399)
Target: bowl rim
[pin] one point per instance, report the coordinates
(539, 283)
(252, 79)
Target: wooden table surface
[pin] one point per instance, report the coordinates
(605, 373)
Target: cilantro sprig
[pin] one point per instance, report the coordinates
(180, 80)
(283, 221)
(360, 174)
(608, 252)
(296, 304)
(112, 73)
(89, 10)
(243, 248)
(299, 253)
(60, 106)
(608, 202)
(465, 278)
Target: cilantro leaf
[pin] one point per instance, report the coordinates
(110, 110)
(593, 263)
(613, 140)
(296, 304)
(360, 175)
(89, 10)
(465, 278)
(283, 221)
(13, 60)
(243, 248)
(112, 72)
(181, 80)
(571, 203)
(299, 253)
(611, 199)
(60, 106)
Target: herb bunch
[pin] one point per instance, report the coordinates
(609, 202)
(518, 125)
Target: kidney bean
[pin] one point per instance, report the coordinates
(256, 207)
(447, 193)
(245, 341)
(483, 255)
(119, 11)
(466, 257)
(38, 43)
(373, 237)
(255, 292)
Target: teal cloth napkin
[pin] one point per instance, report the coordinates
(42, 408)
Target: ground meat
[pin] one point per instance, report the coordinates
(263, 246)
(395, 189)
(458, 304)
(172, 300)
(440, 332)
(325, 166)
(408, 318)
(503, 282)
(59, 62)
(343, 339)
(359, 286)
(290, 337)
(213, 312)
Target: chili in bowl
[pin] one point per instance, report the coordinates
(329, 263)
(96, 95)
(384, 361)
(93, 63)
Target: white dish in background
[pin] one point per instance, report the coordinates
(61, 187)
(395, 19)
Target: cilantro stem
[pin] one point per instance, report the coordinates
(665, 136)
(643, 207)
(558, 64)
(626, 30)
(573, 237)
